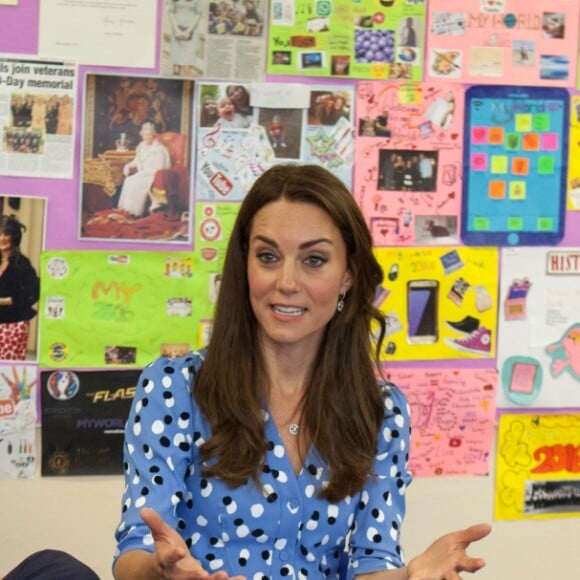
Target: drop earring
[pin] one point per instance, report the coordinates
(340, 304)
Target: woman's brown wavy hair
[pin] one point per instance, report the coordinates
(343, 406)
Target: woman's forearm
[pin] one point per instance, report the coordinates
(6, 301)
(400, 574)
(136, 564)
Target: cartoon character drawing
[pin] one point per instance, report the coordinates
(566, 353)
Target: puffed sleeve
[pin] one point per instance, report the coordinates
(375, 540)
(26, 293)
(158, 448)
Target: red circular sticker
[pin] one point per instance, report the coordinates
(210, 229)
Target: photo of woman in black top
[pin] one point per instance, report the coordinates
(19, 291)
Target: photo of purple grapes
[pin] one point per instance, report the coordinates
(374, 45)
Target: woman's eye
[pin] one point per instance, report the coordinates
(266, 257)
(315, 261)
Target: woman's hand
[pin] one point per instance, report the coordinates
(174, 562)
(447, 556)
(129, 169)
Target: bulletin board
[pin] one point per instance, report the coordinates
(439, 291)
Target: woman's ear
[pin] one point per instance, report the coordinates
(347, 280)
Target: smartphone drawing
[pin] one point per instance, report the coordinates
(422, 306)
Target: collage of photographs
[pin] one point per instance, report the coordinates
(187, 182)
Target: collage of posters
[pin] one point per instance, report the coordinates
(126, 167)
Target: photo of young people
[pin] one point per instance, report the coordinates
(244, 18)
(407, 170)
(225, 105)
(327, 107)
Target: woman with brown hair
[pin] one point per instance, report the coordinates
(276, 449)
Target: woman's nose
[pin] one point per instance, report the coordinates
(288, 280)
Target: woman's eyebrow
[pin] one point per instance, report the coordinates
(302, 246)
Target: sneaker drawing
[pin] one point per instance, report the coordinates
(478, 342)
(468, 325)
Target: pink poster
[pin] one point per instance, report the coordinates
(408, 161)
(453, 417)
(502, 42)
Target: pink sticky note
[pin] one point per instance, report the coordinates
(479, 161)
(479, 135)
(550, 141)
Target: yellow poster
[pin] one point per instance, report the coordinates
(538, 467)
(438, 302)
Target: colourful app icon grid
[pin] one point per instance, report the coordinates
(514, 191)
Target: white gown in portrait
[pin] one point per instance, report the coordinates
(136, 187)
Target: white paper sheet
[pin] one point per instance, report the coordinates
(100, 32)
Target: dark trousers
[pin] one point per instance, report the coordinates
(51, 565)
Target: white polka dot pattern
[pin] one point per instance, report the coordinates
(281, 530)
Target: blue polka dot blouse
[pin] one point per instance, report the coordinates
(281, 530)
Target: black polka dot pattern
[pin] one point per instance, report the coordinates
(280, 529)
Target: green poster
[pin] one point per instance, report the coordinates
(213, 226)
(101, 308)
(368, 39)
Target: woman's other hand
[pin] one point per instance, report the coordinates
(447, 556)
(172, 556)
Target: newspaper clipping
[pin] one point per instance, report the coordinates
(37, 104)
(220, 40)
